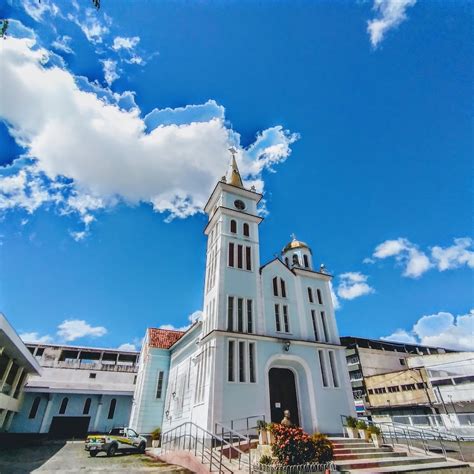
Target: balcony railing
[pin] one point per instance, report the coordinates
(78, 364)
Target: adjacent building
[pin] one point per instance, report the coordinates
(17, 365)
(80, 390)
(368, 357)
(267, 341)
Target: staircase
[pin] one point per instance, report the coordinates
(357, 455)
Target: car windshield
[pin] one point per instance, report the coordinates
(116, 431)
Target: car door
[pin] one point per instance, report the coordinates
(133, 437)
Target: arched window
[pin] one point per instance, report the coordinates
(62, 408)
(87, 407)
(283, 288)
(296, 260)
(246, 229)
(233, 226)
(275, 286)
(306, 261)
(310, 294)
(287, 262)
(34, 407)
(113, 402)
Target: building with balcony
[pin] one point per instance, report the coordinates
(368, 357)
(80, 390)
(16, 366)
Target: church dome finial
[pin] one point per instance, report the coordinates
(235, 178)
(295, 244)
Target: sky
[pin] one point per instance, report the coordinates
(353, 118)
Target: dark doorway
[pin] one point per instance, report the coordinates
(283, 395)
(69, 426)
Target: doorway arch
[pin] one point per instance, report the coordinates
(283, 394)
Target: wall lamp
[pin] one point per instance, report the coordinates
(286, 346)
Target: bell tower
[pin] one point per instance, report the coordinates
(233, 259)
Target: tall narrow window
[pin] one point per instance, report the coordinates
(159, 384)
(315, 325)
(62, 408)
(248, 258)
(231, 254)
(87, 406)
(246, 229)
(325, 328)
(249, 316)
(230, 313)
(310, 294)
(240, 314)
(239, 256)
(241, 361)
(320, 298)
(277, 318)
(34, 407)
(285, 318)
(112, 406)
(332, 363)
(296, 260)
(322, 365)
(252, 362)
(283, 288)
(306, 261)
(275, 286)
(287, 262)
(233, 226)
(230, 362)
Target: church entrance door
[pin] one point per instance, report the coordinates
(283, 394)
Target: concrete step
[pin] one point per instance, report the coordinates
(431, 467)
(340, 439)
(386, 462)
(356, 450)
(378, 455)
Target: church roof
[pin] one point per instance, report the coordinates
(163, 338)
(295, 244)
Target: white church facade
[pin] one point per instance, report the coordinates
(267, 341)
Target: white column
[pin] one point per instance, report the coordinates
(5, 375)
(98, 413)
(46, 416)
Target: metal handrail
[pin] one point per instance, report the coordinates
(189, 442)
(246, 419)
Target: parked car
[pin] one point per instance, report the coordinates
(117, 439)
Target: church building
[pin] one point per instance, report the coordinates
(267, 340)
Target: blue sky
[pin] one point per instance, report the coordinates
(353, 118)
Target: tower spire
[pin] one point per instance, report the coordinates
(235, 178)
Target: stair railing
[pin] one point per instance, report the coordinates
(191, 437)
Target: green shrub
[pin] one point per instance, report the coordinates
(373, 430)
(361, 425)
(265, 459)
(351, 422)
(323, 448)
(156, 434)
(261, 425)
(292, 445)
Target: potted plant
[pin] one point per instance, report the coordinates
(270, 433)
(262, 432)
(376, 435)
(156, 438)
(351, 427)
(324, 449)
(266, 459)
(362, 427)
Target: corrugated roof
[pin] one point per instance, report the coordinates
(163, 338)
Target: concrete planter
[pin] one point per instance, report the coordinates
(352, 432)
(262, 437)
(270, 437)
(377, 440)
(364, 434)
(155, 443)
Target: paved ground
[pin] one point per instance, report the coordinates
(70, 457)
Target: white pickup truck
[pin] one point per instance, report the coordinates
(117, 439)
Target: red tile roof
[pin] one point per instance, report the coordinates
(163, 338)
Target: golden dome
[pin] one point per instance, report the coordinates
(295, 244)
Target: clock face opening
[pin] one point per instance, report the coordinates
(239, 204)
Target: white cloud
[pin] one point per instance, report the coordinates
(442, 329)
(94, 29)
(37, 9)
(455, 256)
(62, 43)
(84, 143)
(335, 299)
(417, 262)
(34, 337)
(121, 42)
(72, 329)
(127, 346)
(110, 71)
(390, 13)
(353, 285)
(192, 318)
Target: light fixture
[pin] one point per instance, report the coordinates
(286, 346)
(173, 395)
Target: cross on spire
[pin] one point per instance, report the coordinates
(293, 236)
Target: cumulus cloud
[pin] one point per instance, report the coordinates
(353, 285)
(415, 262)
(34, 337)
(37, 10)
(72, 329)
(389, 14)
(93, 28)
(442, 329)
(335, 300)
(82, 143)
(121, 42)
(127, 346)
(110, 70)
(62, 43)
(192, 318)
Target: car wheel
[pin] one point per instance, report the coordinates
(141, 448)
(112, 450)
(92, 454)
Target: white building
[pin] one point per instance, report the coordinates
(268, 339)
